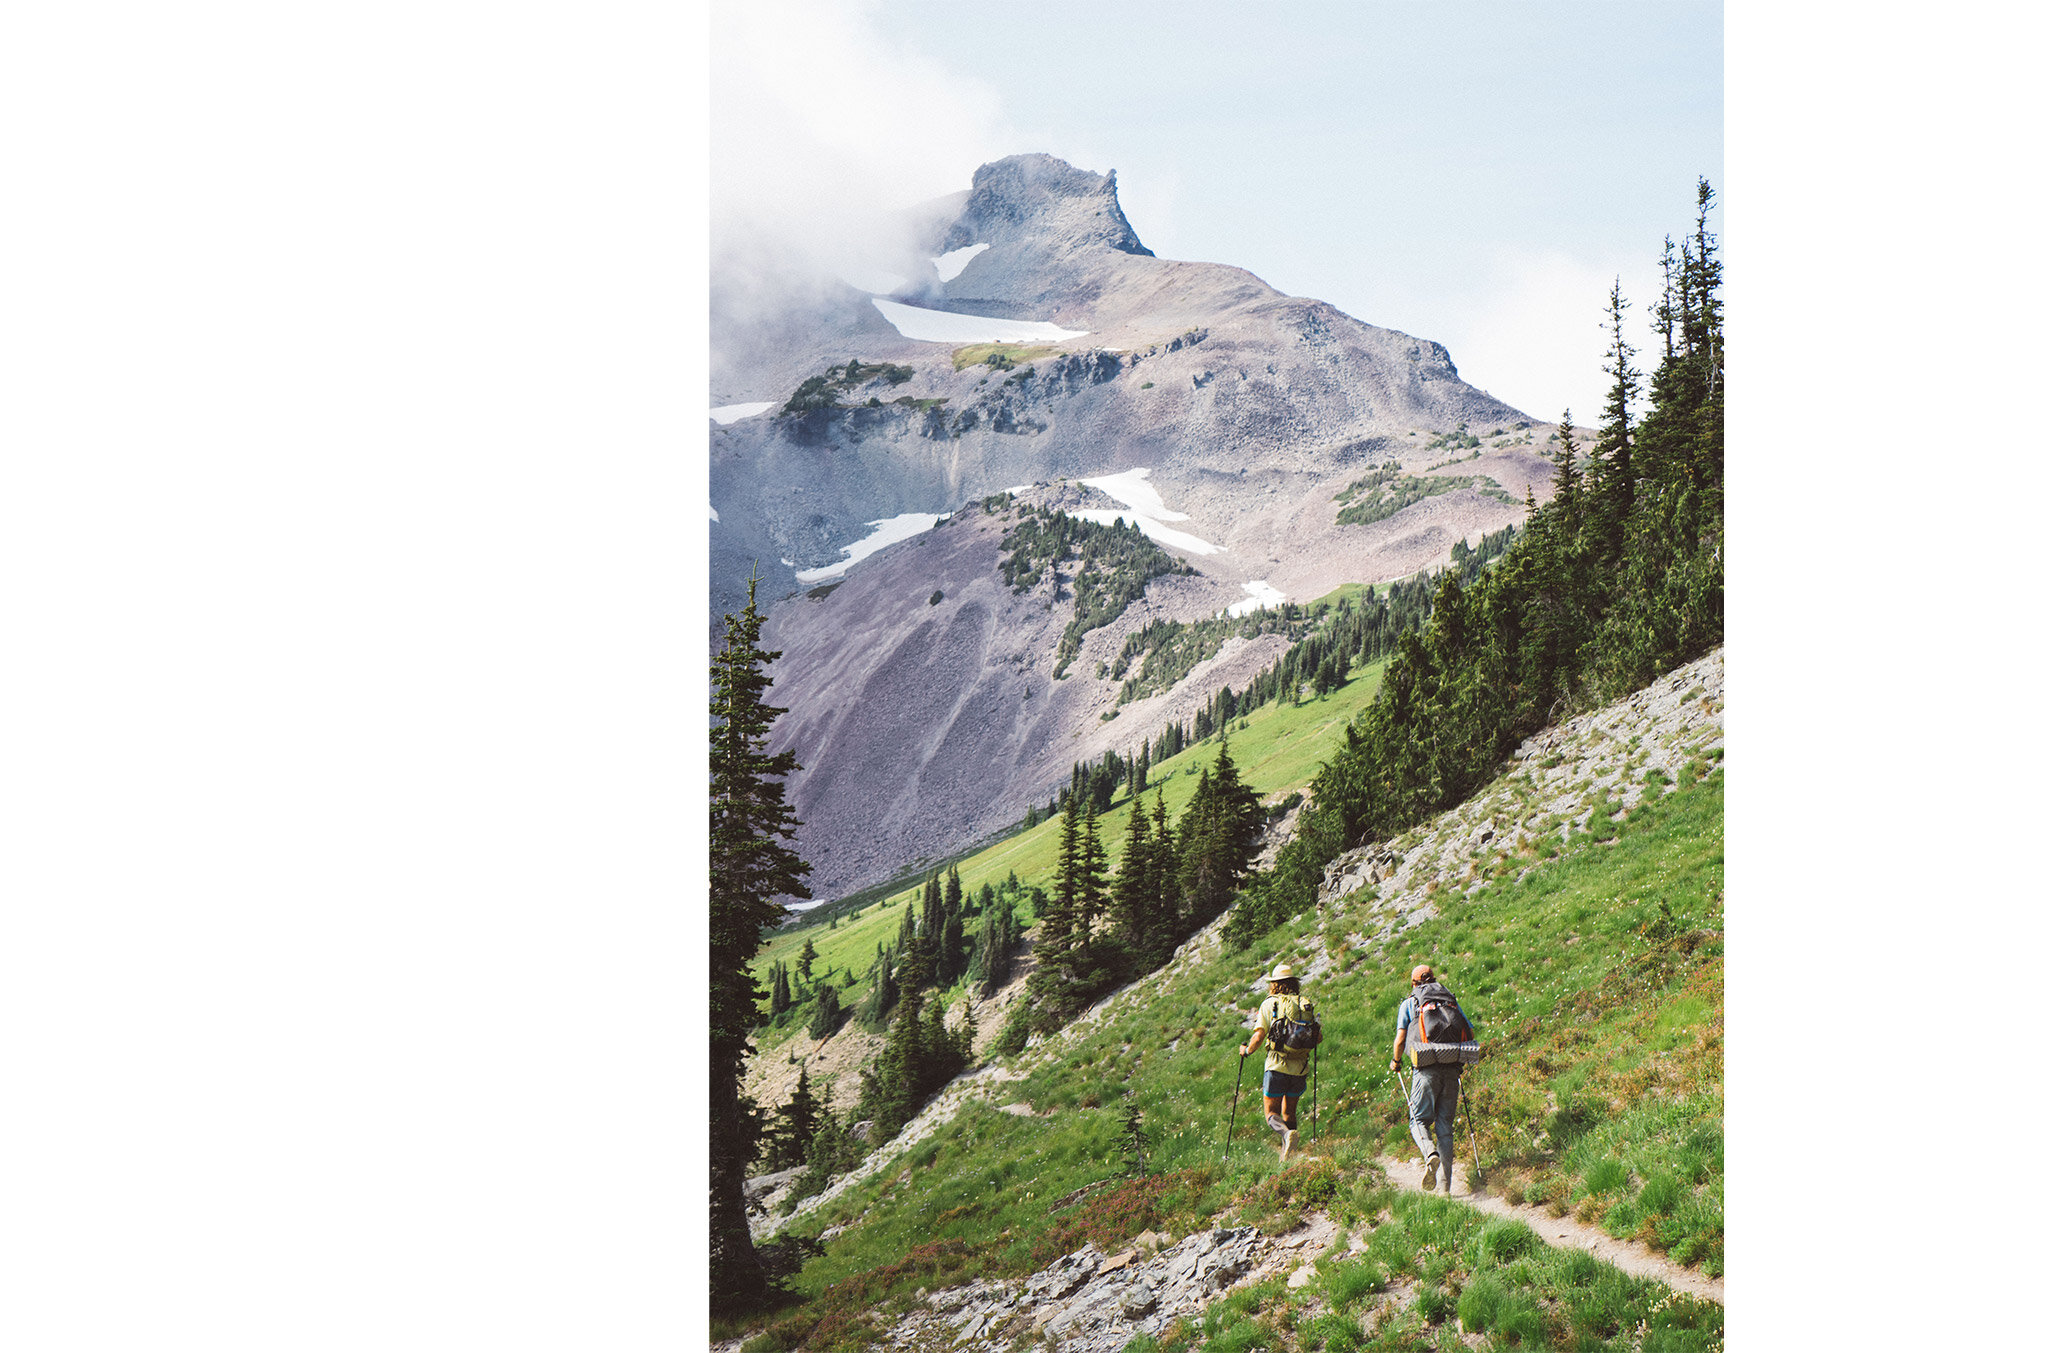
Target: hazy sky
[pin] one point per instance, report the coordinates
(1474, 173)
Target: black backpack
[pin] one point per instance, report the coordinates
(1441, 1031)
(1296, 1035)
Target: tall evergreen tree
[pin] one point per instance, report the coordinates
(1614, 481)
(790, 1139)
(1135, 892)
(883, 998)
(825, 1020)
(804, 959)
(751, 868)
(906, 932)
(1166, 899)
(1063, 907)
(992, 947)
(1092, 894)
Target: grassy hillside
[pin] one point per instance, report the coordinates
(1592, 968)
(1278, 749)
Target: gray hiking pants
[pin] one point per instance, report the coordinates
(1432, 1104)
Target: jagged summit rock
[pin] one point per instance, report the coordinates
(1043, 201)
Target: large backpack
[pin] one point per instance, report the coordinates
(1300, 1031)
(1441, 1032)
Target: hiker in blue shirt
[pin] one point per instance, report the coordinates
(1433, 1097)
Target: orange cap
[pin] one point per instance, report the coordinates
(1422, 973)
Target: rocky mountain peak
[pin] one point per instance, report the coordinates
(1041, 199)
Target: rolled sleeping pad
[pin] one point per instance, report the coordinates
(1440, 1054)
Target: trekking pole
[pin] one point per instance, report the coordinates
(1233, 1108)
(1315, 1102)
(1472, 1136)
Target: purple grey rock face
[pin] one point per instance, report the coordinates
(923, 727)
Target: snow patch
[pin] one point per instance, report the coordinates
(1146, 510)
(732, 413)
(1164, 535)
(943, 326)
(1264, 595)
(1130, 489)
(953, 262)
(1020, 488)
(886, 533)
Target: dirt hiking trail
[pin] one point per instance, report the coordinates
(1631, 1257)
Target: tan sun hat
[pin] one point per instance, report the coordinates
(1423, 972)
(1281, 972)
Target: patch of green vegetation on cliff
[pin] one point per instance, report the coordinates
(823, 391)
(998, 356)
(1387, 490)
(1116, 562)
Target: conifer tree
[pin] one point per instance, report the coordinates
(751, 868)
(1166, 899)
(1135, 891)
(790, 1140)
(906, 932)
(831, 1151)
(826, 1018)
(804, 959)
(951, 963)
(1091, 894)
(884, 997)
(992, 949)
(1565, 501)
(1063, 906)
(1613, 470)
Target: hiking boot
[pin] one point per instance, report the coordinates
(1429, 1173)
(1275, 1122)
(1287, 1143)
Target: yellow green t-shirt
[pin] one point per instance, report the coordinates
(1271, 1011)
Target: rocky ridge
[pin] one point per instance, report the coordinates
(1556, 780)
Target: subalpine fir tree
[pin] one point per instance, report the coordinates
(1135, 891)
(952, 961)
(1091, 894)
(1063, 905)
(751, 868)
(789, 1141)
(882, 1000)
(991, 967)
(906, 931)
(825, 1020)
(804, 959)
(1614, 476)
(1166, 898)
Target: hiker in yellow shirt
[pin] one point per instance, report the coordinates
(1286, 1071)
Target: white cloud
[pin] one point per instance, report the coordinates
(822, 132)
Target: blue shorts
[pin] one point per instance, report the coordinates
(1280, 1085)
